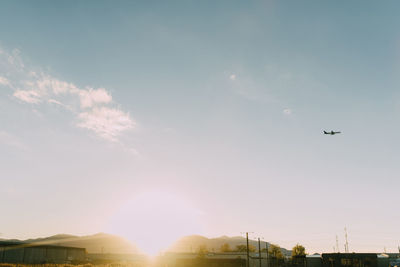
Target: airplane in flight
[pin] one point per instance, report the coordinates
(331, 132)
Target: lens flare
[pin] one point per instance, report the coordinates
(154, 220)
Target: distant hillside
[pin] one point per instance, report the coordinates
(192, 243)
(111, 244)
(98, 243)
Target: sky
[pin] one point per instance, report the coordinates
(155, 119)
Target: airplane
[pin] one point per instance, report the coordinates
(331, 132)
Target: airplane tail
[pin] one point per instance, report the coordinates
(325, 132)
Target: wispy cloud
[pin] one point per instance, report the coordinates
(53, 101)
(275, 84)
(4, 81)
(28, 96)
(94, 107)
(247, 88)
(287, 111)
(105, 122)
(47, 83)
(91, 97)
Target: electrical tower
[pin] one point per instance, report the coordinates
(337, 244)
(346, 245)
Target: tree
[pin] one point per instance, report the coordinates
(243, 248)
(275, 251)
(252, 248)
(298, 250)
(225, 248)
(202, 251)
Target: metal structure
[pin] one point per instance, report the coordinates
(346, 245)
(337, 244)
(20, 252)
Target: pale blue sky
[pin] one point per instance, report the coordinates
(220, 103)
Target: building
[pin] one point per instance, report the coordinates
(21, 252)
(239, 259)
(354, 260)
(314, 260)
(211, 259)
(211, 262)
(109, 258)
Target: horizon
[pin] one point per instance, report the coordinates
(158, 120)
(170, 247)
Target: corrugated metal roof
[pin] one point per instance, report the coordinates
(20, 244)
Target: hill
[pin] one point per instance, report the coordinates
(98, 243)
(102, 243)
(193, 242)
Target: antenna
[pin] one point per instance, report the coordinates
(337, 244)
(346, 245)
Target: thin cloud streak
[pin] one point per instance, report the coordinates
(28, 96)
(53, 101)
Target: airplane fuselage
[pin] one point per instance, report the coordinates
(331, 132)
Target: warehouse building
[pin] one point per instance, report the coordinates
(20, 252)
(355, 260)
(211, 259)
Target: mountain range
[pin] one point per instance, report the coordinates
(193, 242)
(112, 244)
(97, 243)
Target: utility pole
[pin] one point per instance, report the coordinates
(247, 242)
(266, 247)
(259, 250)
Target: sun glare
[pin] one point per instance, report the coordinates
(154, 220)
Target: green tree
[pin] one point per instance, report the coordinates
(243, 248)
(275, 251)
(252, 248)
(202, 251)
(298, 250)
(225, 248)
